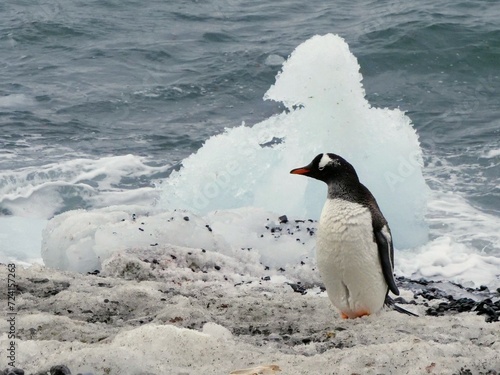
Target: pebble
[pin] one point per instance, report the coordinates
(486, 307)
(486, 303)
(297, 288)
(60, 370)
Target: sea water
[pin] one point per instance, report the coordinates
(110, 103)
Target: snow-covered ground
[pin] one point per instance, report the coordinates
(178, 310)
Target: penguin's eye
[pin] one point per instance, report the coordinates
(321, 168)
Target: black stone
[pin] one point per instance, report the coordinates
(60, 370)
(298, 288)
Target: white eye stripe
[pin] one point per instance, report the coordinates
(325, 159)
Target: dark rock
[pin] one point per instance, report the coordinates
(298, 288)
(283, 219)
(485, 307)
(60, 370)
(186, 218)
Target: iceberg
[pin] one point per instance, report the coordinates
(325, 111)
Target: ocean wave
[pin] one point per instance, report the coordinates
(45, 190)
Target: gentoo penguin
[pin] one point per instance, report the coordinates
(354, 247)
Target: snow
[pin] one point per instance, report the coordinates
(150, 313)
(82, 240)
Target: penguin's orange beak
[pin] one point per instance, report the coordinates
(303, 170)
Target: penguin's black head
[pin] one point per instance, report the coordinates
(328, 168)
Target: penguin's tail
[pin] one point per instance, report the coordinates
(392, 304)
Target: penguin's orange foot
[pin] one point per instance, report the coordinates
(354, 314)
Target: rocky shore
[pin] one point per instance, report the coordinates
(173, 314)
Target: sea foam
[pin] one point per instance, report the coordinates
(43, 191)
(326, 111)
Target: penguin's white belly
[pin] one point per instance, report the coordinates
(348, 259)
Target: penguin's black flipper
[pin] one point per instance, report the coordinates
(386, 255)
(390, 303)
